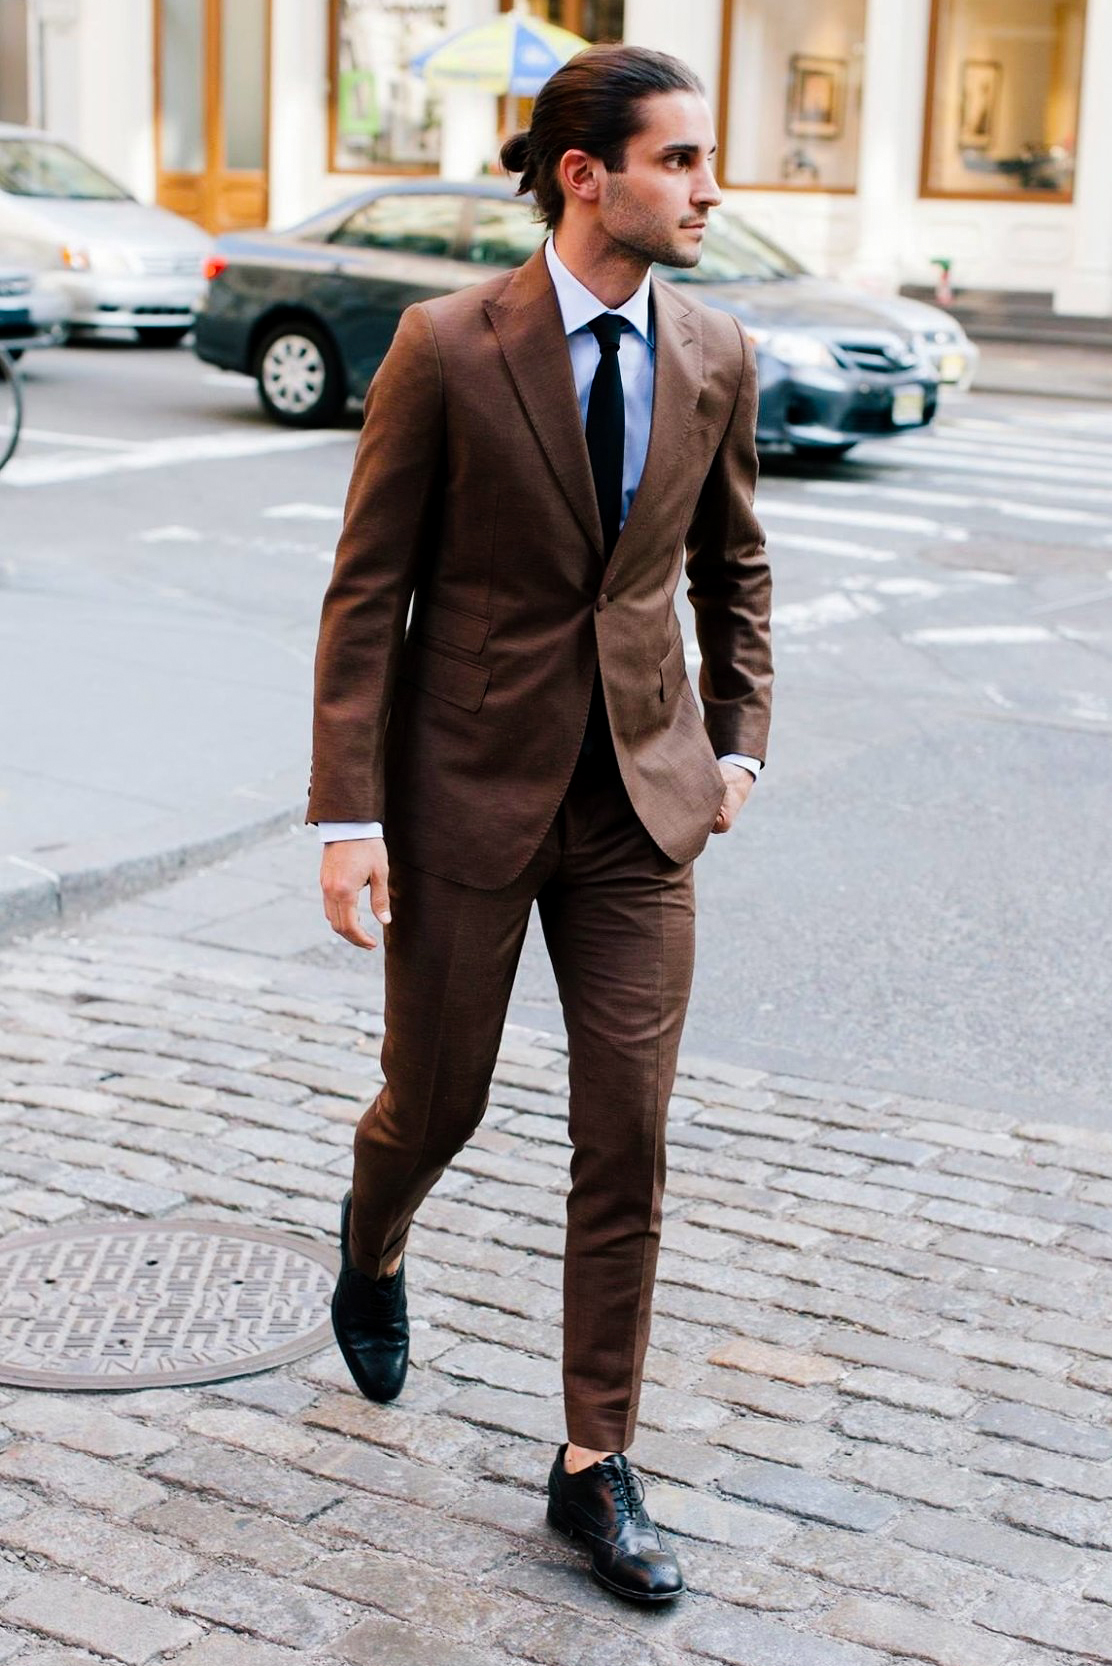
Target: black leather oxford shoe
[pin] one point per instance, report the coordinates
(605, 1506)
(370, 1321)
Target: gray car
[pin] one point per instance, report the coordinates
(111, 261)
(311, 311)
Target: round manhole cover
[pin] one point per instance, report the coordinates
(136, 1304)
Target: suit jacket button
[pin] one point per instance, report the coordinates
(603, 601)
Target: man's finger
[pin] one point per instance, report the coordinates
(344, 920)
(380, 896)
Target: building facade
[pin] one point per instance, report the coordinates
(873, 138)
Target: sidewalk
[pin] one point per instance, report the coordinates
(1044, 370)
(876, 1414)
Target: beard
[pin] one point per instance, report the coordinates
(642, 232)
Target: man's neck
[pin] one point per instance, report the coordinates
(611, 274)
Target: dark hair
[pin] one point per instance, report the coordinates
(592, 103)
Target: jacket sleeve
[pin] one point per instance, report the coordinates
(730, 585)
(390, 520)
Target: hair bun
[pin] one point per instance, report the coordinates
(516, 154)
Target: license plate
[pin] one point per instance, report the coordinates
(951, 367)
(907, 407)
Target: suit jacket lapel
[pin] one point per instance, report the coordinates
(526, 320)
(677, 381)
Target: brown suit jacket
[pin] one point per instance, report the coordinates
(471, 496)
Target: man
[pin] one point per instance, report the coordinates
(537, 452)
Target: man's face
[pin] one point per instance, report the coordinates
(657, 208)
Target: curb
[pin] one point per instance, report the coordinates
(84, 877)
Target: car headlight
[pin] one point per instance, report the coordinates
(75, 260)
(794, 348)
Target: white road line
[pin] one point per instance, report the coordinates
(1023, 440)
(91, 442)
(158, 454)
(171, 535)
(828, 546)
(833, 608)
(862, 517)
(960, 500)
(304, 512)
(971, 636)
(944, 459)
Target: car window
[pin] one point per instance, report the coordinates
(504, 233)
(734, 253)
(43, 168)
(418, 224)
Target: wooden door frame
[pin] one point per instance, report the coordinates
(212, 105)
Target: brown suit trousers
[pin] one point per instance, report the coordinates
(618, 920)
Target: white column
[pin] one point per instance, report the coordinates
(469, 126)
(1086, 285)
(116, 105)
(691, 31)
(298, 109)
(893, 89)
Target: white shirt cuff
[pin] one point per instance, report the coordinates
(333, 831)
(753, 765)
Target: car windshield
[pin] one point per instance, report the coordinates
(41, 168)
(734, 253)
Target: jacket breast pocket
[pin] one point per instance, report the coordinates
(673, 669)
(449, 679)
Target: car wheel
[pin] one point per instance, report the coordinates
(824, 453)
(300, 382)
(162, 335)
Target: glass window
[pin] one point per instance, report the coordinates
(42, 168)
(15, 104)
(383, 115)
(243, 51)
(504, 233)
(417, 224)
(1004, 92)
(181, 33)
(792, 101)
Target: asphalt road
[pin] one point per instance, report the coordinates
(917, 893)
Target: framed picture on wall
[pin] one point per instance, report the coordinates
(980, 100)
(816, 97)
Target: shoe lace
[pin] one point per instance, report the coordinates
(628, 1489)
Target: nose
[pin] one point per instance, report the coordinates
(706, 190)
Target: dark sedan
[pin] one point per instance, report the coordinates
(310, 312)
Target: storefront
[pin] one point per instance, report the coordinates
(873, 138)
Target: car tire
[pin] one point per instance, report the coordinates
(824, 453)
(299, 376)
(162, 335)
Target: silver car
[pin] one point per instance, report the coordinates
(114, 262)
(31, 314)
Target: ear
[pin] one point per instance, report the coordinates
(580, 176)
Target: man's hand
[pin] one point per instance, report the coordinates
(739, 784)
(346, 866)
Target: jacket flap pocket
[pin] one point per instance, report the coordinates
(455, 629)
(673, 669)
(450, 679)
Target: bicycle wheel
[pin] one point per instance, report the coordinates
(11, 407)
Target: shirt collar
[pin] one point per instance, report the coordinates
(578, 306)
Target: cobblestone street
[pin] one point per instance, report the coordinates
(876, 1417)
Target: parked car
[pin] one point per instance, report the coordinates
(310, 312)
(114, 262)
(31, 314)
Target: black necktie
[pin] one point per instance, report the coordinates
(606, 426)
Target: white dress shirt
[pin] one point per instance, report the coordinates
(635, 362)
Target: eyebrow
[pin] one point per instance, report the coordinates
(684, 147)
